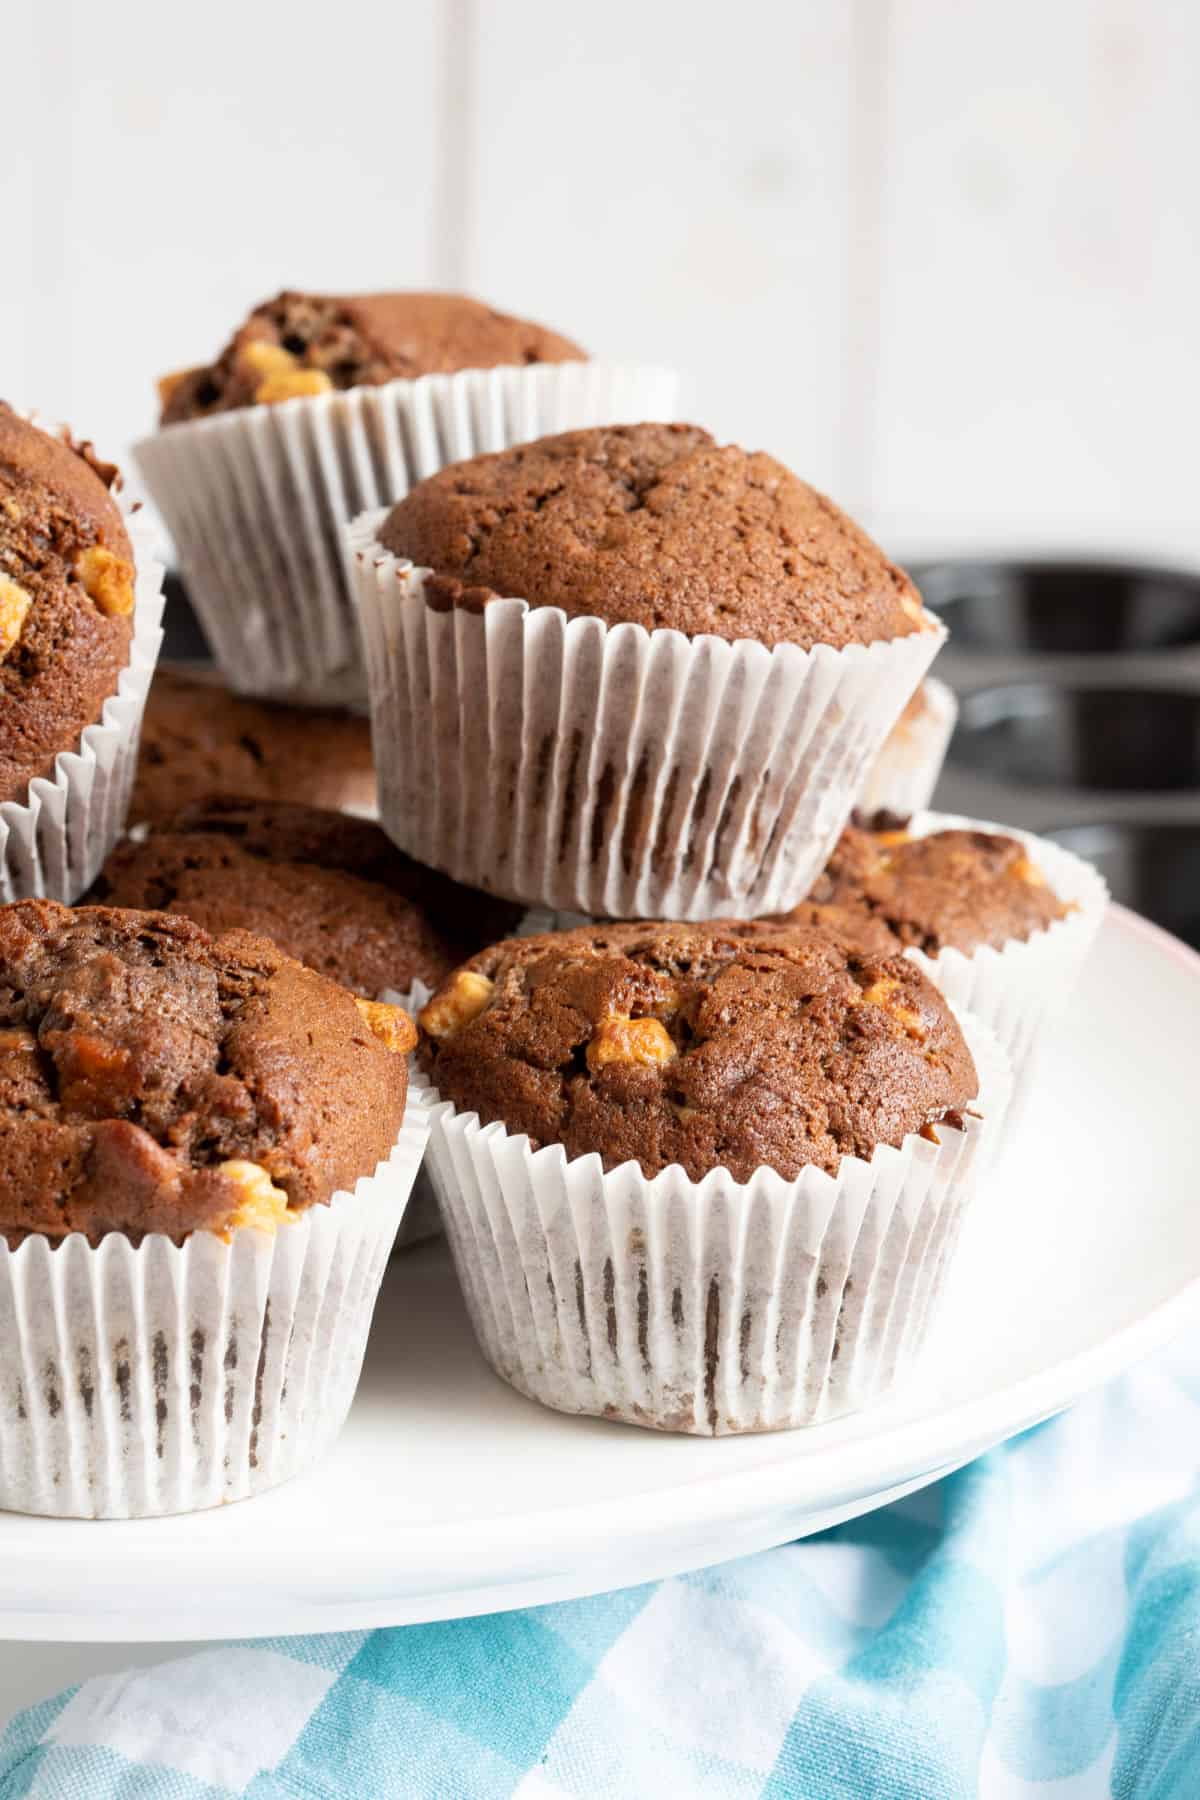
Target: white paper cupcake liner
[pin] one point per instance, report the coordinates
(1021, 990)
(422, 1221)
(165, 1378)
(708, 1307)
(53, 844)
(255, 499)
(611, 770)
(906, 770)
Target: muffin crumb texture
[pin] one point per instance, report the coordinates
(200, 739)
(330, 890)
(959, 889)
(66, 597)
(308, 344)
(156, 1079)
(658, 526)
(732, 1046)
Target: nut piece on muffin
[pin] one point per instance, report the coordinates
(956, 889)
(330, 890)
(737, 1046)
(198, 739)
(156, 1079)
(66, 597)
(659, 526)
(305, 344)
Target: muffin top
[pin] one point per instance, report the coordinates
(66, 597)
(310, 343)
(199, 739)
(956, 889)
(732, 1046)
(659, 526)
(330, 890)
(153, 1078)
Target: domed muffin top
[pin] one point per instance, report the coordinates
(658, 526)
(732, 1046)
(198, 739)
(67, 584)
(955, 889)
(300, 344)
(330, 890)
(156, 1079)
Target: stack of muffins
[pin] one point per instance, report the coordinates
(706, 1063)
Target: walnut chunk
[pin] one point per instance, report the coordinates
(107, 579)
(261, 1205)
(912, 609)
(261, 357)
(456, 1003)
(390, 1024)
(619, 1039)
(14, 605)
(292, 384)
(1025, 870)
(880, 994)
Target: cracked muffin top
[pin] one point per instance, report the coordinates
(957, 889)
(299, 344)
(66, 597)
(153, 1078)
(198, 739)
(330, 890)
(658, 526)
(732, 1046)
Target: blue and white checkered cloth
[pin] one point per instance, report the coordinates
(1029, 1627)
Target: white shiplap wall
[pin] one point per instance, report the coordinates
(943, 258)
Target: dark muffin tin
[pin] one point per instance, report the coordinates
(1079, 693)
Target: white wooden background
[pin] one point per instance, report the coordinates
(940, 255)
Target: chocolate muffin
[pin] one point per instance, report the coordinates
(734, 1046)
(654, 525)
(198, 739)
(156, 1079)
(300, 344)
(66, 597)
(328, 889)
(957, 889)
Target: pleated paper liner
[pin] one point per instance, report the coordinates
(163, 1378)
(1020, 990)
(611, 770)
(708, 1307)
(422, 1220)
(52, 844)
(906, 770)
(256, 499)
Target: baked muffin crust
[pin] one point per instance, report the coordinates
(658, 526)
(311, 343)
(198, 739)
(330, 890)
(733, 1046)
(957, 889)
(66, 597)
(153, 1078)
